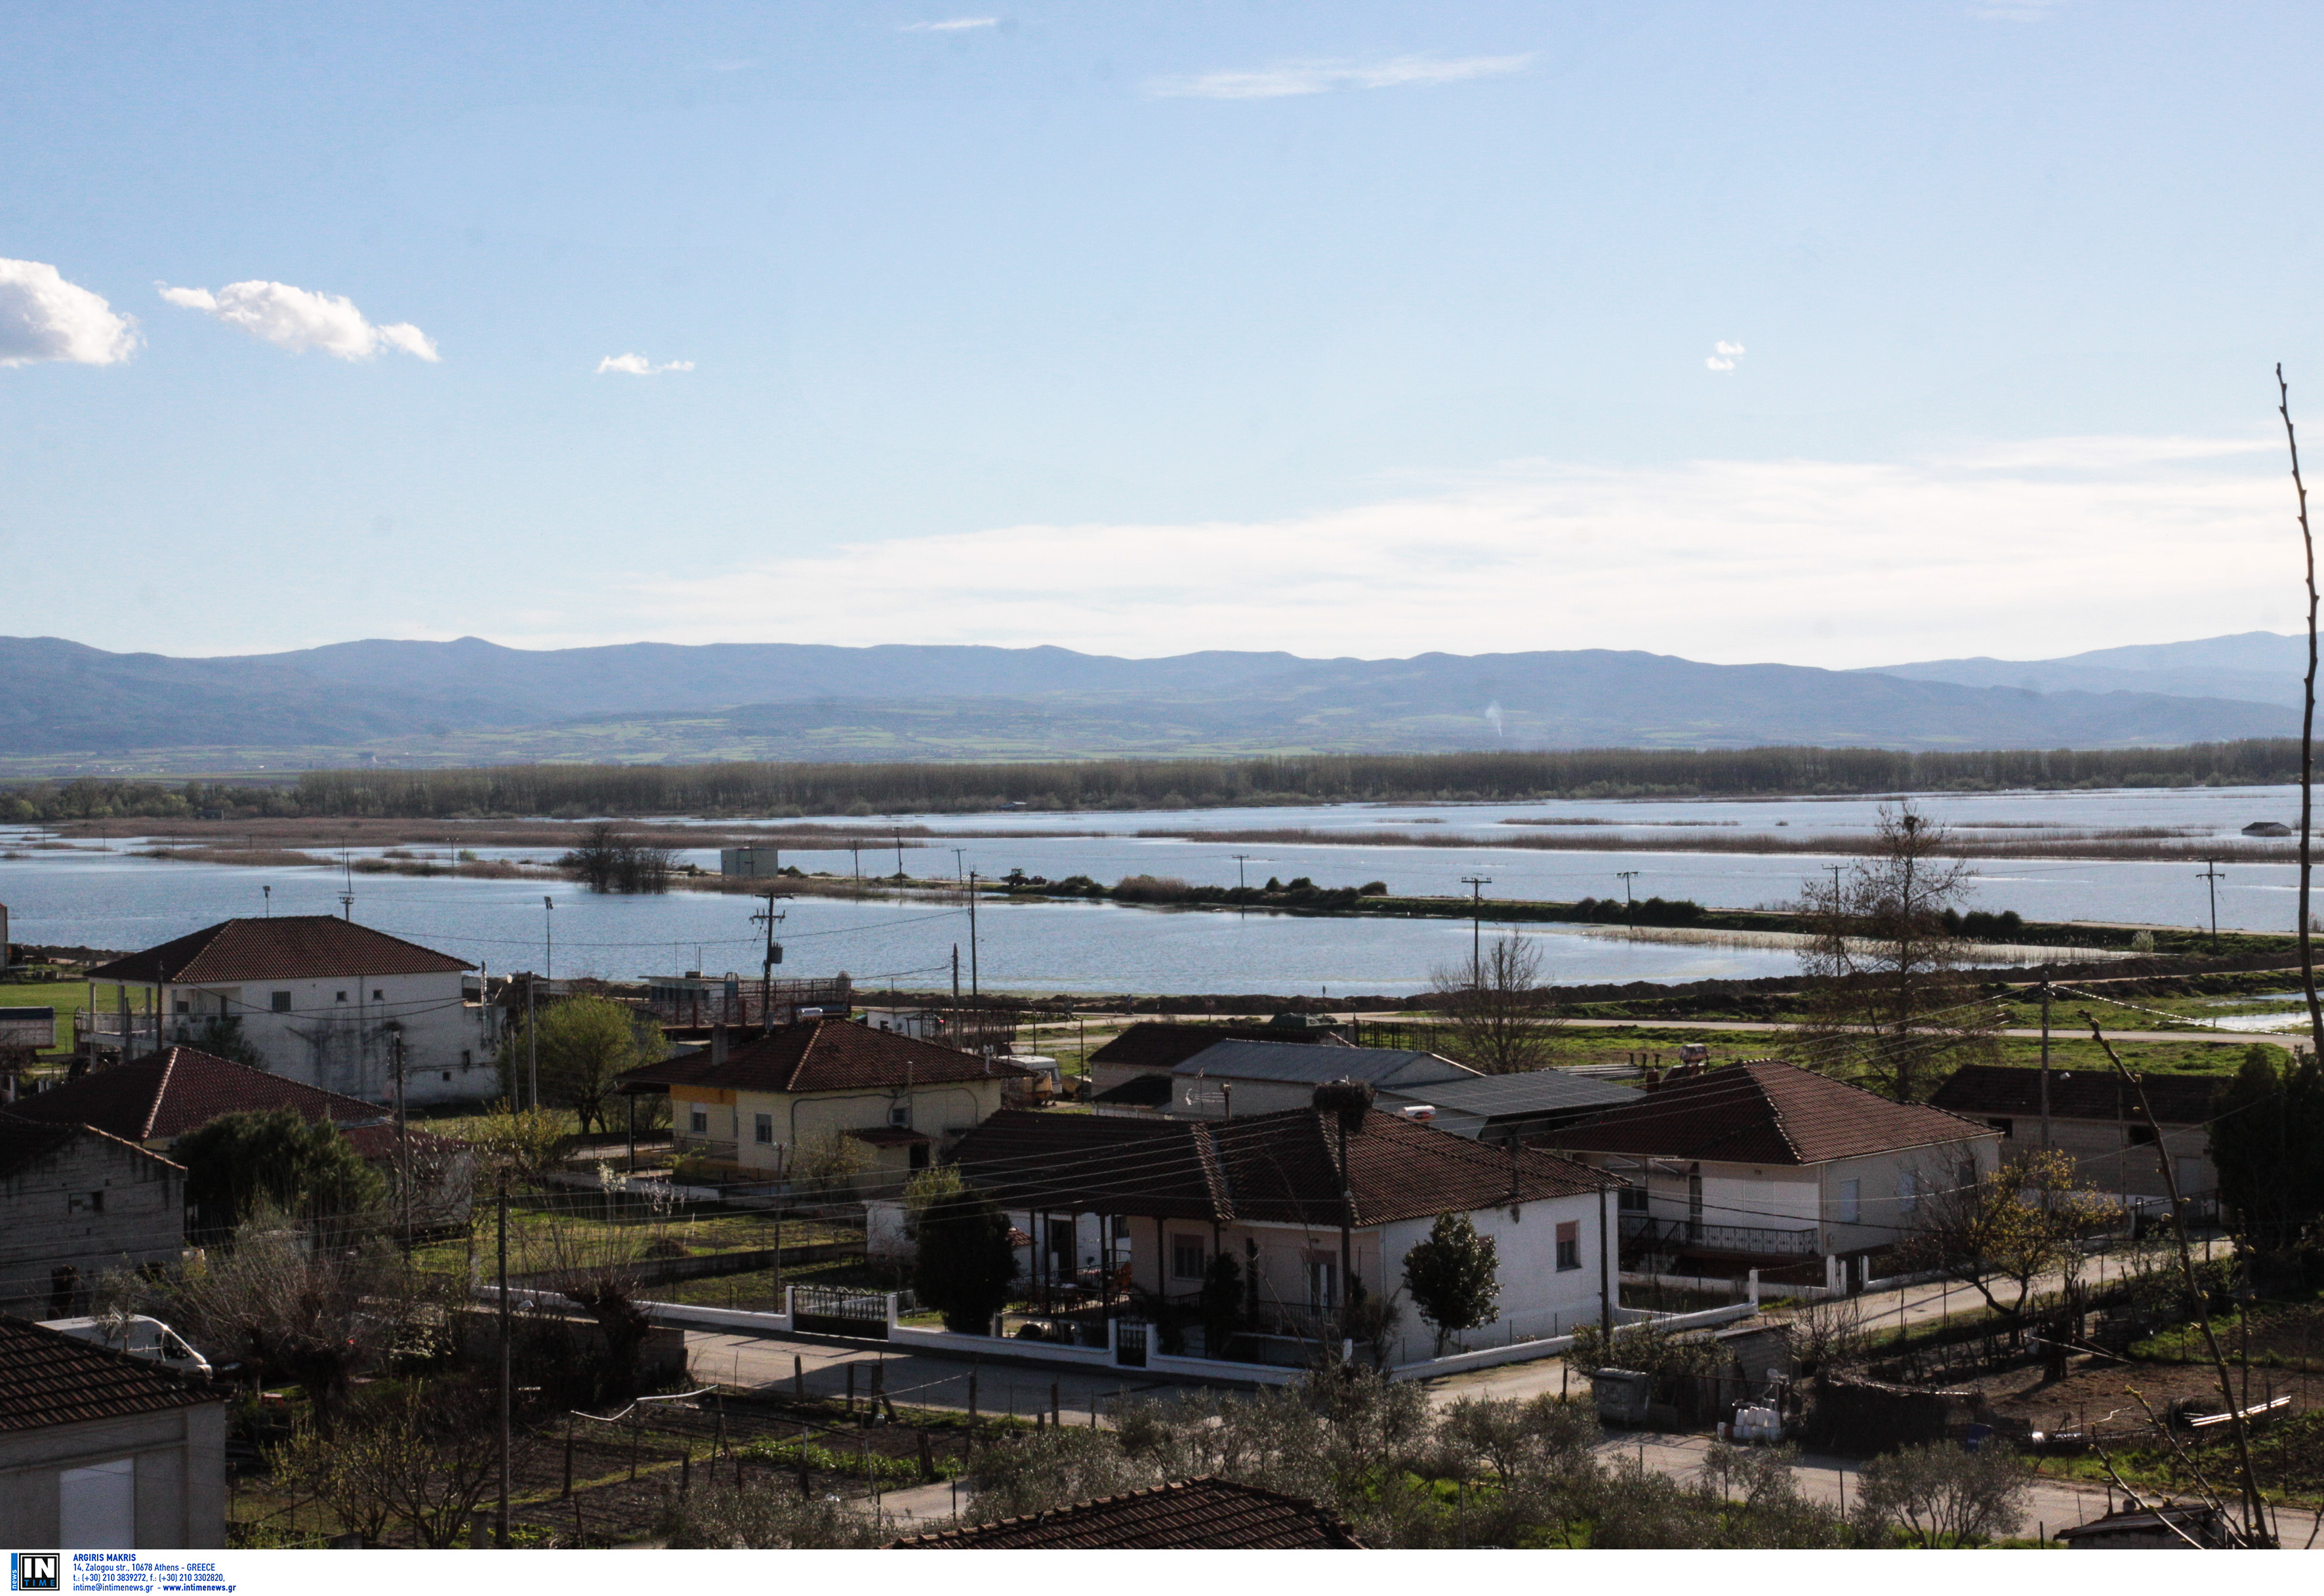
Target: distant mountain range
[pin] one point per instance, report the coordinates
(68, 706)
(2257, 667)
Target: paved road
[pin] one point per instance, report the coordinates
(917, 1379)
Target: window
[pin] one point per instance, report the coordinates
(378, 996)
(1186, 1258)
(339, 997)
(917, 1157)
(468, 1059)
(1632, 1199)
(184, 1007)
(1323, 1283)
(2140, 1135)
(697, 1121)
(2006, 1127)
(1569, 1244)
(85, 1202)
(900, 1115)
(97, 1507)
(763, 1129)
(279, 1002)
(1851, 1193)
(1121, 1227)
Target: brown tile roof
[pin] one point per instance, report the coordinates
(1764, 1113)
(1281, 1166)
(48, 1377)
(1207, 1513)
(283, 947)
(824, 1056)
(1979, 1089)
(1160, 1045)
(165, 1094)
(25, 1142)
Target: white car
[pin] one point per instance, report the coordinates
(137, 1336)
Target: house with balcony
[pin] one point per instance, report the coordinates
(1764, 1163)
(753, 1104)
(1307, 1215)
(2094, 1116)
(324, 1001)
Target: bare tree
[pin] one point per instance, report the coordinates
(1498, 1017)
(1885, 1001)
(2003, 1231)
(424, 1459)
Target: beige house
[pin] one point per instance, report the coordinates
(1764, 1163)
(103, 1451)
(755, 1103)
(2095, 1118)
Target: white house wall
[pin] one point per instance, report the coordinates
(338, 1031)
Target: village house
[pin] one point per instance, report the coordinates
(2095, 1117)
(100, 1450)
(1151, 1048)
(1271, 1192)
(324, 1001)
(754, 1103)
(74, 1202)
(1236, 1079)
(151, 1101)
(1765, 1164)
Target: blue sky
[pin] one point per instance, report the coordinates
(1342, 328)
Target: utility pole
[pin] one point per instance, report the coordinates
(1477, 885)
(531, 1042)
(2213, 876)
(899, 853)
(403, 1139)
(268, 892)
(1240, 883)
(548, 936)
(2045, 1056)
(974, 991)
(855, 863)
(1605, 1280)
(771, 919)
(1629, 910)
(347, 893)
(502, 1535)
(955, 995)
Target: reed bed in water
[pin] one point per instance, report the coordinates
(1982, 953)
(2128, 843)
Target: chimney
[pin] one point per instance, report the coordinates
(1654, 1079)
(717, 1046)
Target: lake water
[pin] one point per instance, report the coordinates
(111, 899)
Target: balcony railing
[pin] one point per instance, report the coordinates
(707, 1147)
(1643, 1234)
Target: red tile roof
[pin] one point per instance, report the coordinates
(1281, 1166)
(1979, 1088)
(1207, 1513)
(1764, 1113)
(283, 947)
(824, 1056)
(48, 1378)
(165, 1094)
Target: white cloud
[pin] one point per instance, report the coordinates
(1809, 561)
(44, 318)
(299, 319)
(1724, 347)
(1724, 360)
(638, 365)
(957, 25)
(1322, 77)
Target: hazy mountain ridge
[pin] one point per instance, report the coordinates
(2256, 667)
(472, 701)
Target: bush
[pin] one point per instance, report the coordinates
(1941, 1495)
(965, 1266)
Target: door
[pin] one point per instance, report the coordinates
(1129, 1343)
